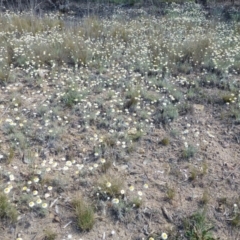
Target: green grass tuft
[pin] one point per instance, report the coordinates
(7, 211)
(197, 227)
(49, 234)
(189, 152)
(84, 213)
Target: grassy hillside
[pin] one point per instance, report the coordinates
(125, 127)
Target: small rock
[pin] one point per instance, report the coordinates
(42, 73)
(220, 208)
(27, 160)
(56, 219)
(141, 150)
(185, 131)
(3, 157)
(124, 167)
(196, 134)
(198, 107)
(210, 135)
(19, 235)
(132, 131)
(225, 145)
(145, 162)
(168, 226)
(46, 195)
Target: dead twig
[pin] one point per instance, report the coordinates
(167, 214)
(67, 224)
